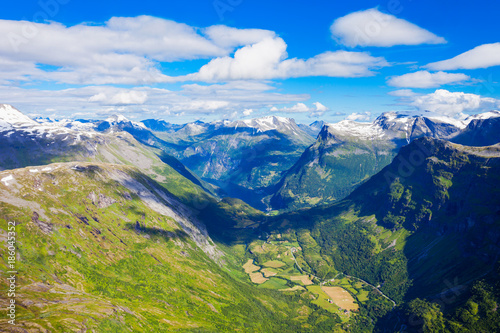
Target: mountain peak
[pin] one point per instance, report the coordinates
(10, 117)
(10, 114)
(484, 115)
(350, 128)
(268, 123)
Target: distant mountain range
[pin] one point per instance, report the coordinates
(243, 158)
(348, 152)
(274, 163)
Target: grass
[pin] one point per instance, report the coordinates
(97, 271)
(274, 264)
(274, 283)
(294, 288)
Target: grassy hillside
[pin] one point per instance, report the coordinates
(26, 148)
(425, 226)
(102, 247)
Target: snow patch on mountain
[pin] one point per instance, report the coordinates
(268, 123)
(7, 180)
(393, 124)
(484, 115)
(118, 119)
(453, 121)
(11, 118)
(365, 131)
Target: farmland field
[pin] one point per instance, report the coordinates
(341, 297)
(249, 267)
(305, 279)
(257, 277)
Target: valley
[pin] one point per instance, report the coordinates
(115, 232)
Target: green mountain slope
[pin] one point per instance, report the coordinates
(104, 248)
(425, 226)
(329, 169)
(30, 143)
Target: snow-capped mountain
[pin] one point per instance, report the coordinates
(484, 115)
(13, 123)
(77, 125)
(118, 122)
(347, 152)
(243, 155)
(11, 118)
(268, 123)
(259, 125)
(481, 130)
(394, 126)
(236, 155)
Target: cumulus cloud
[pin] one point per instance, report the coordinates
(247, 112)
(320, 107)
(482, 56)
(359, 116)
(129, 50)
(228, 37)
(125, 50)
(191, 102)
(317, 110)
(373, 28)
(267, 59)
(425, 79)
(453, 104)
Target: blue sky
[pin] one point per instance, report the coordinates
(189, 60)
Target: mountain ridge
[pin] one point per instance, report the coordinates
(324, 171)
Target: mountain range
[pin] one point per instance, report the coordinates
(264, 161)
(253, 225)
(347, 153)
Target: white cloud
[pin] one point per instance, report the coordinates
(247, 112)
(131, 97)
(228, 37)
(129, 50)
(313, 112)
(425, 79)
(373, 28)
(192, 101)
(361, 116)
(320, 107)
(482, 56)
(453, 104)
(402, 93)
(125, 50)
(267, 59)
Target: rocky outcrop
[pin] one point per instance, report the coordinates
(45, 227)
(100, 200)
